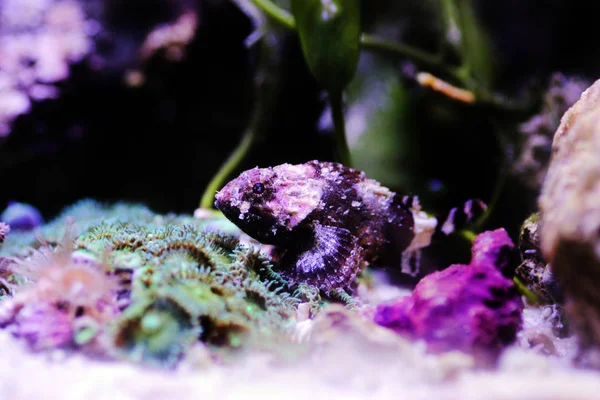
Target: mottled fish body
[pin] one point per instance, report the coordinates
(330, 219)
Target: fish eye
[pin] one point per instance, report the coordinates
(258, 188)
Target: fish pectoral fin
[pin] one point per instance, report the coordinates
(330, 259)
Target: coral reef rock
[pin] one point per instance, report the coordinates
(534, 270)
(472, 308)
(570, 218)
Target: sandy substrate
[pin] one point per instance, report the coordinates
(352, 363)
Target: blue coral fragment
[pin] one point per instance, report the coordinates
(472, 308)
(21, 216)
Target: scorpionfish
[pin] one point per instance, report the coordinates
(331, 220)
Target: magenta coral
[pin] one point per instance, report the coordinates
(473, 308)
(494, 248)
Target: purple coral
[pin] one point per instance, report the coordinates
(21, 216)
(44, 326)
(473, 308)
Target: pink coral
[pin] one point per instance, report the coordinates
(63, 289)
(473, 308)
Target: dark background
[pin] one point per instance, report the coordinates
(160, 144)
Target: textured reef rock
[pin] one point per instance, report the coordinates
(472, 308)
(537, 275)
(570, 218)
(145, 291)
(534, 270)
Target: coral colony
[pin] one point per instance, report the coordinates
(145, 291)
(122, 282)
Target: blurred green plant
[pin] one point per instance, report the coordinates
(331, 38)
(329, 32)
(266, 38)
(376, 118)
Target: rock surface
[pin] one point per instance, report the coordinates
(570, 217)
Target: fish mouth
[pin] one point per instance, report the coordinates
(260, 228)
(232, 213)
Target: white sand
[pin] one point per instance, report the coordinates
(356, 362)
